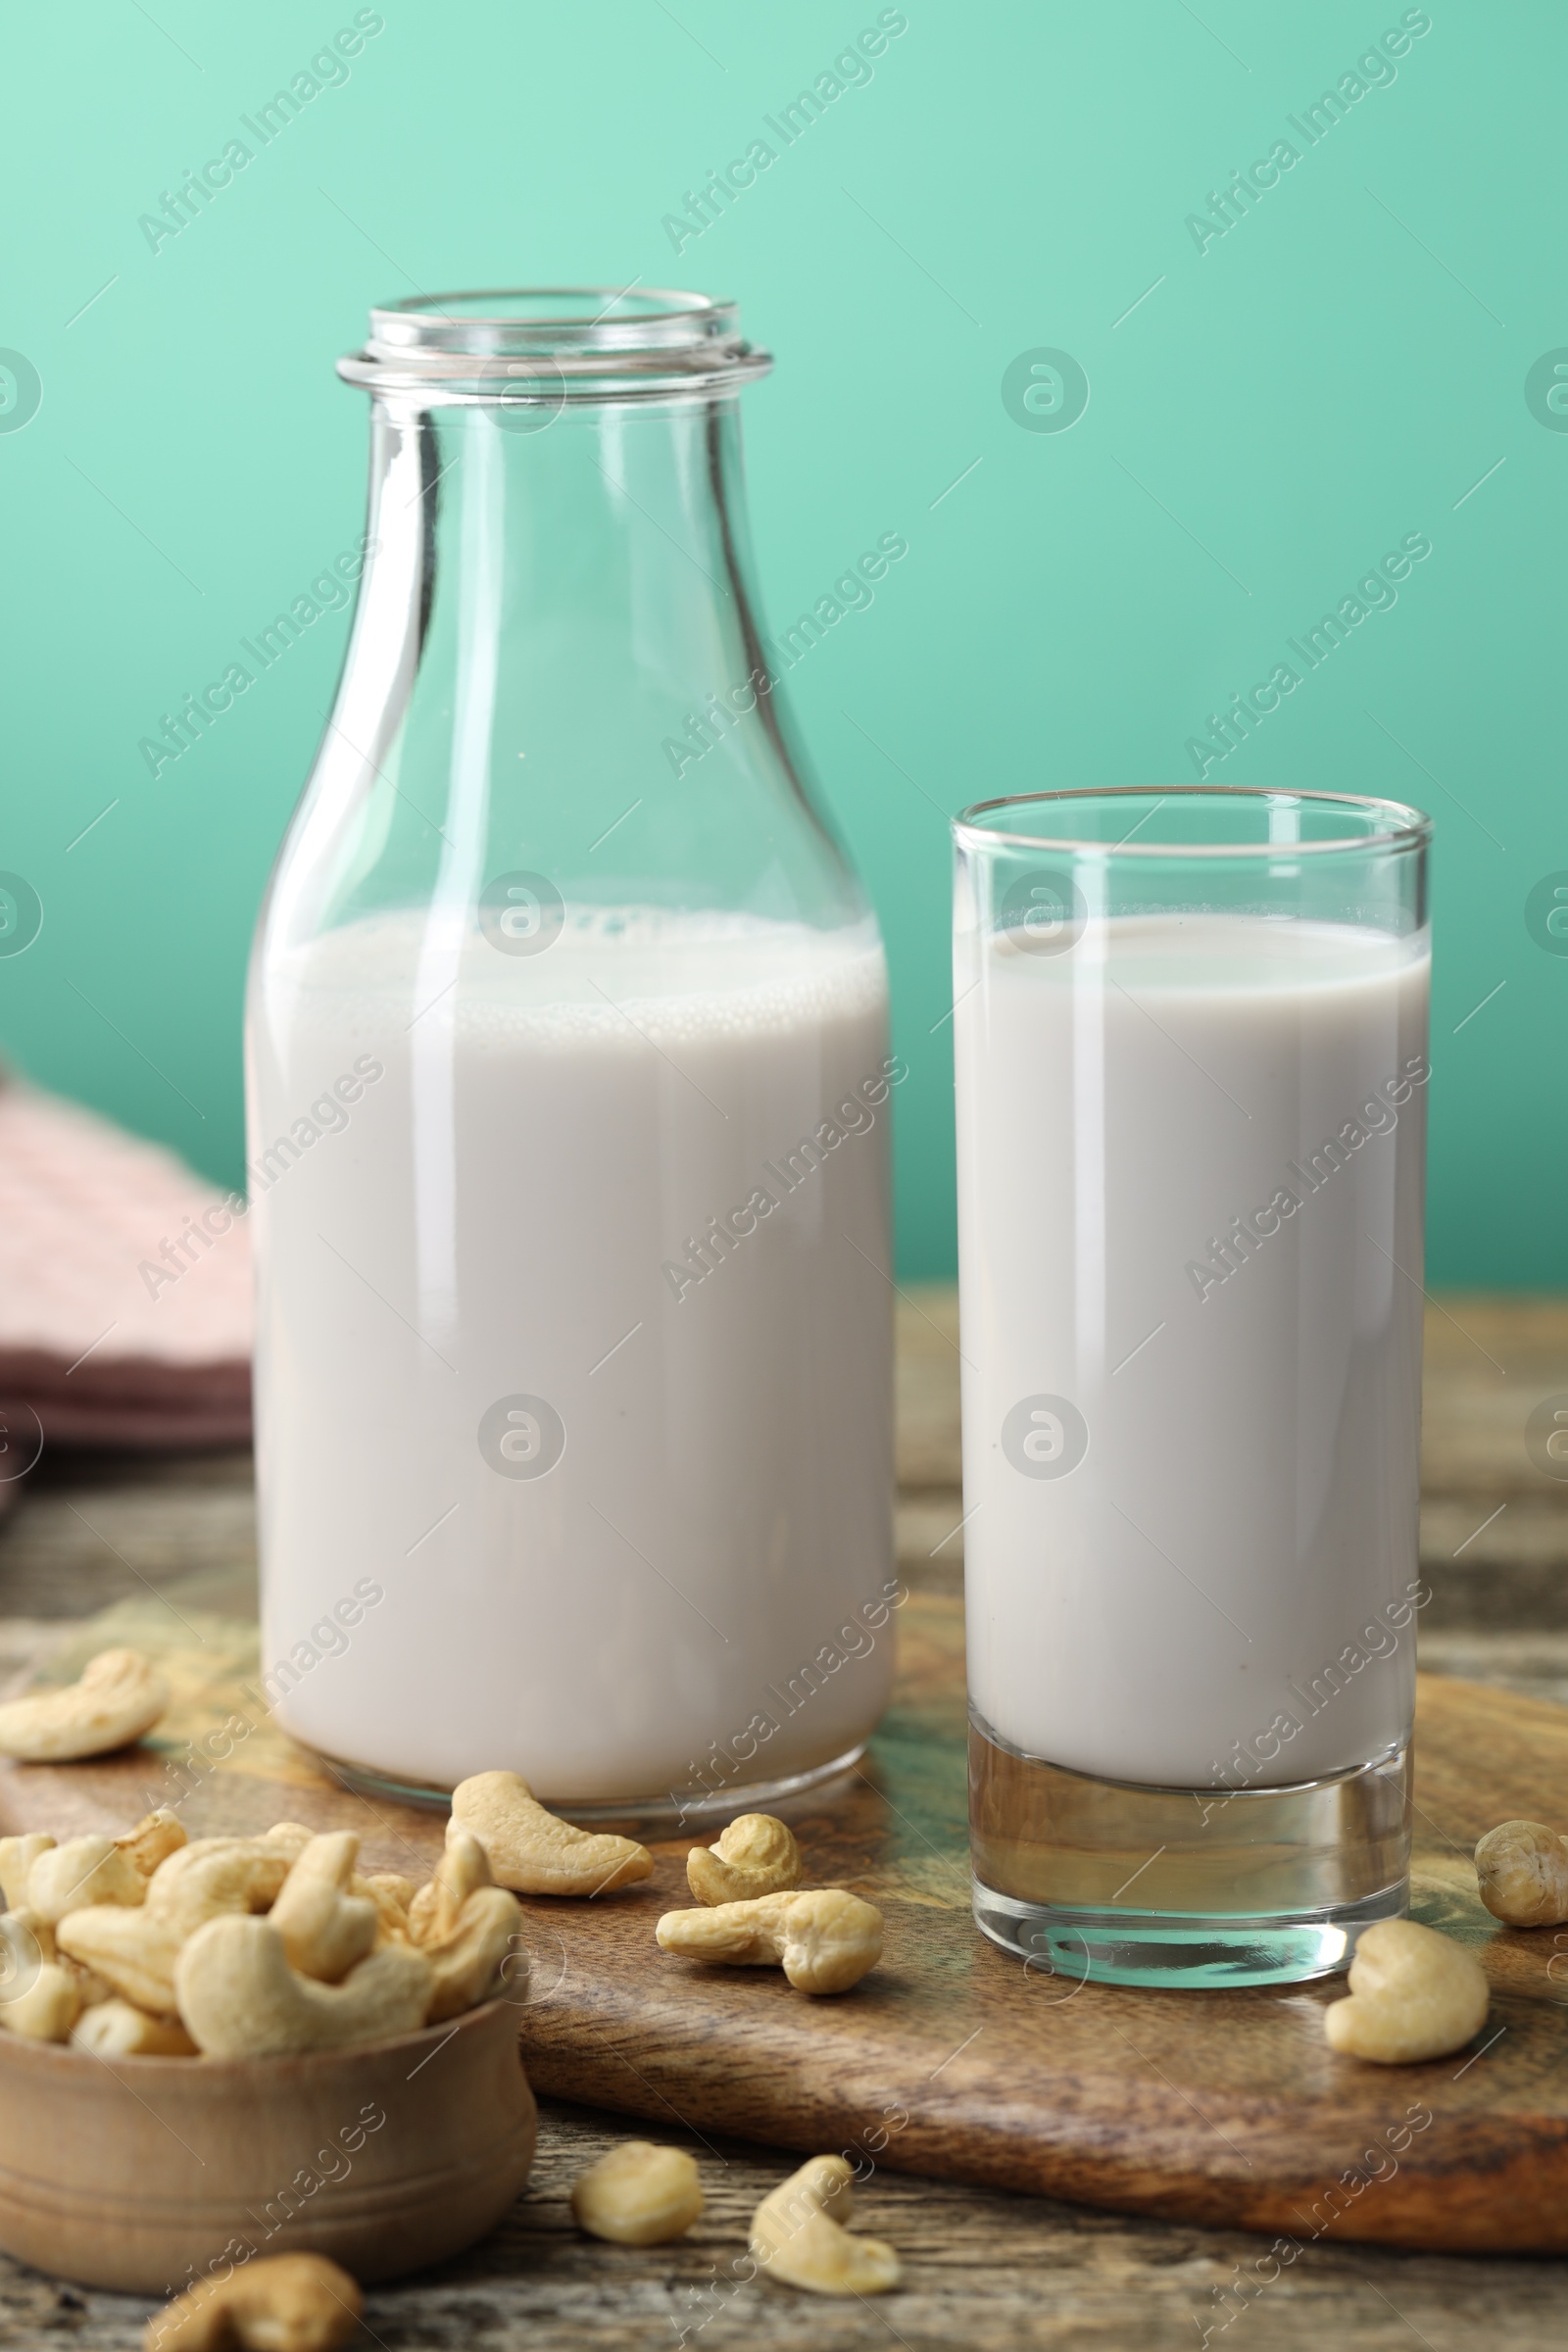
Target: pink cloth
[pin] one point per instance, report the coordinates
(124, 1289)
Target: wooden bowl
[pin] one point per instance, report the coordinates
(145, 2173)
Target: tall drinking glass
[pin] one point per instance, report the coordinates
(1191, 1035)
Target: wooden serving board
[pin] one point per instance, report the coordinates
(1224, 2107)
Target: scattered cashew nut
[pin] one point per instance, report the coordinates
(1523, 1870)
(825, 1937)
(756, 1856)
(239, 1998)
(532, 1851)
(797, 2236)
(120, 1697)
(84, 1870)
(281, 2303)
(325, 1929)
(1414, 1995)
(638, 2195)
(117, 2028)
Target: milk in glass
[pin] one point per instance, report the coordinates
(1190, 1203)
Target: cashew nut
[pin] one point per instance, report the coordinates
(240, 1997)
(797, 2236)
(47, 2010)
(294, 1835)
(392, 1895)
(117, 2028)
(91, 1988)
(638, 2195)
(38, 1998)
(468, 1965)
(21, 1926)
(84, 1870)
(463, 1924)
(825, 1937)
(153, 1840)
(135, 1950)
(219, 1874)
(120, 1696)
(325, 1928)
(756, 1856)
(534, 1852)
(283, 2303)
(16, 1858)
(26, 1938)
(1414, 1995)
(462, 1868)
(22, 1923)
(1523, 1870)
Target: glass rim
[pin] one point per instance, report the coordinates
(1412, 830)
(583, 342)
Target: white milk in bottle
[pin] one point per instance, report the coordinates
(572, 1353)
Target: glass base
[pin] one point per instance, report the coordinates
(1173, 1948)
(1107, 1882)
(667, 1811)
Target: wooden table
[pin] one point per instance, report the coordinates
(982, 2268)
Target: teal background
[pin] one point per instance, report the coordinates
(1337, 370)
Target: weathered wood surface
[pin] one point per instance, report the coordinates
(985, 2269)
(950, 2060)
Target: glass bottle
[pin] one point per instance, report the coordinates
(568, 1090)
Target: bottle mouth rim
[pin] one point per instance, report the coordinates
(576, 342)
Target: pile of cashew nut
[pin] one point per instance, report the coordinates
(153, 1946)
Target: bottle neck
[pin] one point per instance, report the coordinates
(558, 637)
(612, 533)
